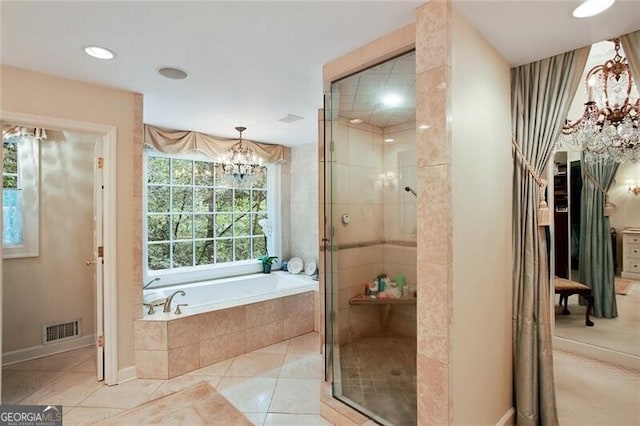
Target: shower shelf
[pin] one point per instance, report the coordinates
(384, 303)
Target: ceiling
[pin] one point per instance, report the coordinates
(384, 95)
(252, 62)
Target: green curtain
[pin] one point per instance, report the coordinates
(596, 253)
(541, 94)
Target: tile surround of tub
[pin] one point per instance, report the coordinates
(166, 349)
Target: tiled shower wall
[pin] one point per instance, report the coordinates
(368, 185)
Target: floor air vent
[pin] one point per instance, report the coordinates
(55, 332)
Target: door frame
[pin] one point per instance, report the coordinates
(109, 307)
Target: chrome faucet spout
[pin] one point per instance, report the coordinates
(151, 282)
(167, 303)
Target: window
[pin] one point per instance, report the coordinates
(200, 225)
(20, 188)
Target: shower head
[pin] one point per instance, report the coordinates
(408, 189)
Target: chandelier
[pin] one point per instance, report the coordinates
(609, 128)
(240, 163)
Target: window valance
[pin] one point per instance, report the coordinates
(183, 142)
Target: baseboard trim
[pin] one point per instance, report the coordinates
(34, 352)
(508, 419)
(126, 374)
(620, 359)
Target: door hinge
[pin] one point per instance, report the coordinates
(100, 162)
(100, 251)
(101, 341)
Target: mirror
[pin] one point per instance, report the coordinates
(622, 333)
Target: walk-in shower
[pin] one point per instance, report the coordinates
(370, 240)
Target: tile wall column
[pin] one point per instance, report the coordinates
(434, 237)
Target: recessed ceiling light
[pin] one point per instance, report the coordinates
(99, 52)
(355, 121)
(392, 100)
(172, 73)
(592, 7)
(423, 126)
(389, 140)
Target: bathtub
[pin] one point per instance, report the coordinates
(224, 318)
(214, 295)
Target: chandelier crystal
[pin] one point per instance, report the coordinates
(240, 164)
(609, 128)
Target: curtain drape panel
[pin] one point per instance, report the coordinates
(631, 46)
(183, 142)
(596, 253)
(541, 94)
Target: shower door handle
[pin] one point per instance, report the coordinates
(90, 262)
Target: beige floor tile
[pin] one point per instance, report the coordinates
(296, 419)
(198, 405)
(88, 366)
(218, 369)
(302, 366)
(248, 394)
(255, 364)
(278, 348)
(125, 395)
(299, 396)
(17, 385)
(60, 362)
(256, 418)
(307, 343)
(182, 382)
(67, 389)
(80, 416)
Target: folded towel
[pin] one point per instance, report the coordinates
(152, 297)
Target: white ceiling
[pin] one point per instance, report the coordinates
(252, 62)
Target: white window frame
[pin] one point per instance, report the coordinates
(191, 274)
(29, 183)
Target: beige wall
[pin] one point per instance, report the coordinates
(303, 183)
(40, 94)
(482, 171)
(627, 212)
(56, 285)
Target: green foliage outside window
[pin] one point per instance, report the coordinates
(196, 217)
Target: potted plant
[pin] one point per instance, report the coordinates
(267, 261)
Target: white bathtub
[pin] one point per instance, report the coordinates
(214, 295)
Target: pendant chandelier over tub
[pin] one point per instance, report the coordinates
(240, 163)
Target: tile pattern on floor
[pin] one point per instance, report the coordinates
(278, 384)
(379, 374)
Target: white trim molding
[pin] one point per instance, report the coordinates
(39, 351)
(110, 309)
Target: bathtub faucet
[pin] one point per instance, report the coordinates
(167, 303)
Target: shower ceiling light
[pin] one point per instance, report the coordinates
(355, 121)
(389, 140)
(392, 100)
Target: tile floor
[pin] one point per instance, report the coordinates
(379, 374)
(278, 384)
